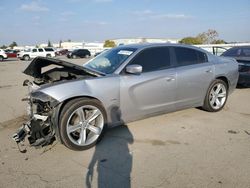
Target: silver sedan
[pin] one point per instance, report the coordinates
(76, 103)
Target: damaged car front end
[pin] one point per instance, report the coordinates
(39, 128)
(43, 109)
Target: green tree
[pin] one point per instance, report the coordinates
(3, 47)
(109, 44)
(202, 37)
(49, 44)
(208, 37)
(12, 45)
(190, 40)
(211, 35)
(218, 41)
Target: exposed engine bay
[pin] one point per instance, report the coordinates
(41, 128)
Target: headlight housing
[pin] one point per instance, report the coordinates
(40, 96)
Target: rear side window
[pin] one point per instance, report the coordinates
(49, 49)
(187, 56)
(245, 52)
(40, 50)
(153, 59)
(81, 52)
(202, 57)
(34, 50)
(233, 52)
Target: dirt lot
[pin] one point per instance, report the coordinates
(189, 148)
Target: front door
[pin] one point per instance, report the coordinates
(151, 92)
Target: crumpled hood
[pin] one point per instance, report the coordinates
(35, 67)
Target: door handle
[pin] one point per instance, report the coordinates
(168, 79)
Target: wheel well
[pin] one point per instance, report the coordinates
(73, 98)
(224, 79)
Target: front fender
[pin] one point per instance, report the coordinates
(66, 90)
(104, 89)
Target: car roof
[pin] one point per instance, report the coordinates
(148, 45)
(236, 47)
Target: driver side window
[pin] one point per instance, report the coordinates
(153, 59)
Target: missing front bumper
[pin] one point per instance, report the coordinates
(38, 132)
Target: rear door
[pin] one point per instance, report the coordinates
(152, 91)
(81, 53)
(194, 75)
(41, 52)
(34, 53)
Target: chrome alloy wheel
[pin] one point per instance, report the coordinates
(217, 96)
(85, 125)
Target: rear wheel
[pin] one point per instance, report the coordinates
(216, 96)
(26, 58)
(82, 123)
(1, 58)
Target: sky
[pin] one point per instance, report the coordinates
(32, 22)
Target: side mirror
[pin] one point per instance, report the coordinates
(134, 69)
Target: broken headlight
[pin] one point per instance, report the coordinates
(39, 96)
(41, 103)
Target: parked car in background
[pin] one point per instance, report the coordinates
(242, 56)
(11, 53)
(62, 52)
(3, 55)
(79, 53)
(75, 103)
(31, 53)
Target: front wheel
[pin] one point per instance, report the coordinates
(216, 96)
(82, 123)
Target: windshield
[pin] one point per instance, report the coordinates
(108, 61)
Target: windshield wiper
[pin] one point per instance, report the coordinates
(94, 72)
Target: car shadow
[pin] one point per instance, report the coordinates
(112, 159)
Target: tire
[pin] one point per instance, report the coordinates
(216, 96)
(1, 58)
(26, 57)
(76, 132)
(87, 56)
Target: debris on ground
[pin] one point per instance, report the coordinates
(233, 132)
(247, 132)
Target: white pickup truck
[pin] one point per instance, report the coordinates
(31, 53)
(3, 55)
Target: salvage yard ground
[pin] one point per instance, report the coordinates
(189, 148)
